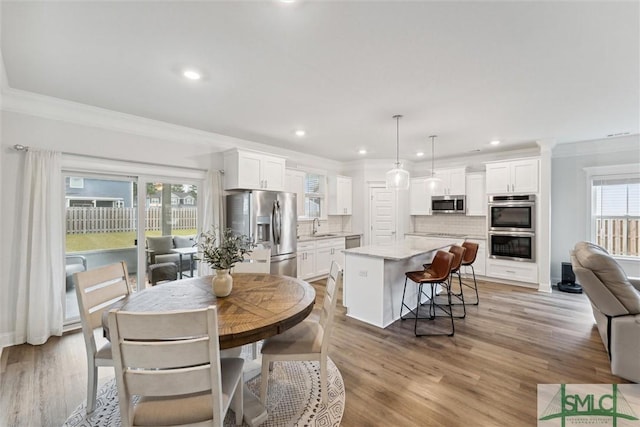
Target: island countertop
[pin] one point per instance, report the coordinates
(402, 249)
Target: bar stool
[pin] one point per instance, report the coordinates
(467, 261)
(458, 255)
(437, 273)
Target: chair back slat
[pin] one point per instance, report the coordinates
(168, 382)
(97, 289)
(160, 326)
(168, 354)
(258, 261)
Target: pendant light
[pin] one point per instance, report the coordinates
(397, 178)
(433, 181)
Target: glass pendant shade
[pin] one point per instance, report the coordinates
(397, 178)
(433, 181)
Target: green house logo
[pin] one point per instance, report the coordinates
(589, 408)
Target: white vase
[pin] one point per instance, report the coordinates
(222, 283)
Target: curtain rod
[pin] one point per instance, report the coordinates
(20, 147)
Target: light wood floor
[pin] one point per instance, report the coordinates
(486, 375)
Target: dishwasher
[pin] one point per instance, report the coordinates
(352, 242)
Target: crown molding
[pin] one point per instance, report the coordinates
(47, 107)
(598, 146)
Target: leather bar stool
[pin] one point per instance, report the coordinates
(438, 273)
(468, 260)
(458, 255)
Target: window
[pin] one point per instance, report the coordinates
(75, 182)
(314, 188)
(616, 213)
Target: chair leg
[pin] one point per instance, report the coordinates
(264, 379)
(237, 402)
(323, 380)
(475, 285)
(92, 386)
(415, 325)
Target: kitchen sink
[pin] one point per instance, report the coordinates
(324, 235)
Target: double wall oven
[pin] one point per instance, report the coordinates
(512, 222)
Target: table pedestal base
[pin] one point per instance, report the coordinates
(254, 411)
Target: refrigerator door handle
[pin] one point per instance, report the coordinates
(279, 222)
(275, 220)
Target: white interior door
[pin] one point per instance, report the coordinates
(382, 216)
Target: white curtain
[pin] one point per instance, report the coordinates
(213, 214)
(40, 255)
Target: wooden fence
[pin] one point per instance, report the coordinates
(619, 236)
(112, 220)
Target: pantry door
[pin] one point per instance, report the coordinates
(382, 212)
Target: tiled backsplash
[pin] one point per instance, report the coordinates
(333, 224)
(457, 224)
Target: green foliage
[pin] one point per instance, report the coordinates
(231, 249)
(114, 240)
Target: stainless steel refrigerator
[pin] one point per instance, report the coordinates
(269, 218)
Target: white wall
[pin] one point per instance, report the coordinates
(569, 211)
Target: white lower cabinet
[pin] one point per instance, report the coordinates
(306, 260)
(512, 270)
(315, 257)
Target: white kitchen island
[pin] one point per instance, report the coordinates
(374, 278)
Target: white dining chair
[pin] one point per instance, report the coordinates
(308, 340)
(258, 261)
(96, 290)
(171, 360)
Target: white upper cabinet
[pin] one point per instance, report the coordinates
(453, 182)
(294, 183)
(516, 176)
(419, 197)
(249, 170)
(476, 194)
(340, 195)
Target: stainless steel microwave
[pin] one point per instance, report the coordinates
(448, 204)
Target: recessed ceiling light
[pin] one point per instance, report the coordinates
(287, 1)
(300, 132)
(419, 154)
(494, 142)
(192, 75)
(362, 151)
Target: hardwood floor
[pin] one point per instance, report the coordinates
(486, 375)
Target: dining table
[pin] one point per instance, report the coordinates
(259, 306)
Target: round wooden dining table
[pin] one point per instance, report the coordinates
(259, 306)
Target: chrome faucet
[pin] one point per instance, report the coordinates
(315, 227)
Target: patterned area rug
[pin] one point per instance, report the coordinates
(293, 399)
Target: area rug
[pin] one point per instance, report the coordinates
(293, 399)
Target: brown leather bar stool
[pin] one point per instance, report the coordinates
(467, 261)
(458, 255)
(437, 274)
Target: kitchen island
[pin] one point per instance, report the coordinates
(374, 277)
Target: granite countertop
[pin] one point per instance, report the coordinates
(328, 235)
(446, 235)
(402, 249)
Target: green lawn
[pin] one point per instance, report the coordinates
(93, 241)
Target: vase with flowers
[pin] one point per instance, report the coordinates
(222, 249)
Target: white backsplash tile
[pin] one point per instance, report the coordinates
(456, 224)
(333, 224)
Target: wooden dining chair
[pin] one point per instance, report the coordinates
(308, 340)
(96, 290)
(171, 360)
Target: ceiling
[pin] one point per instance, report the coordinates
(470, 72)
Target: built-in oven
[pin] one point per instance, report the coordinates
(512, 213)
(512, 246)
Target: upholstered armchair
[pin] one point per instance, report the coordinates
(159, 250)
(615, 300)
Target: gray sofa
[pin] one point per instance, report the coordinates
(615, 300)
(159, 250)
